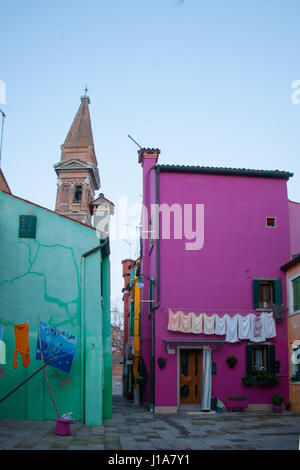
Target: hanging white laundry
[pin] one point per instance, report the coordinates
(269, 325)
(2, 352)
(197, 321)
(257, 330)
(209, 324)
(231, 329)
(244, 325)
(185, 322)
(220, 325)
(174, 318)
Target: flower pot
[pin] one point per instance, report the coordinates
(235, 404)
(161, 362)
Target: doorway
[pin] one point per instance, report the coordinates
(190, 384)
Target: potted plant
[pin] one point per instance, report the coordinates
(277, 400)
(236, 402)
(161, 362)
(248, 380)
(231, 361)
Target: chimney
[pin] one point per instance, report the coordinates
(148, 153)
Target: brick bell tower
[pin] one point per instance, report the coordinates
(77, 172)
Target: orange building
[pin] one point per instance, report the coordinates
(292, 269)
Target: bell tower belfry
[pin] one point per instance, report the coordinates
(77, 172)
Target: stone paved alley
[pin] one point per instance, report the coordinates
(134, 428)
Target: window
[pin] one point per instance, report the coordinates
(296, 294)
(266, 293)
(261, 357)
(271, 221)
(78, 194)
(27, 226)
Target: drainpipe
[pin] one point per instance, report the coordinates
(158, 297)
(82, 336)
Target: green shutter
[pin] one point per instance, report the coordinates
(131, 319)
(132, 276)
(27, 226)
(271, 363)
(249, 359)
(296, 293)
(278, 292)
(255, 293)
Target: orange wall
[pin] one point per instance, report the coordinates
(293, 334)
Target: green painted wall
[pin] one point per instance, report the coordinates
(45, 276)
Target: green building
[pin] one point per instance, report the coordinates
(56, 268)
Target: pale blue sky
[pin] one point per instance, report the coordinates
(207, 82)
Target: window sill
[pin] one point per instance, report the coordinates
(294, 313)
(267, 309)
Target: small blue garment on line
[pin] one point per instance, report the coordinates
(1, 331)
(56, 344)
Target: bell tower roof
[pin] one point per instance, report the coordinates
(80, 135)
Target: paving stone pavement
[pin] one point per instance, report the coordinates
(132, 427)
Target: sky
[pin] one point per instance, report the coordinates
(207, 82)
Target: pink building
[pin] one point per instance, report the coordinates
(218, 290)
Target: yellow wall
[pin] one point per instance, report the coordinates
(293, 334)
(136, 339)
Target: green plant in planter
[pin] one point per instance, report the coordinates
(248, 380)
(231, 361)
(277, 399)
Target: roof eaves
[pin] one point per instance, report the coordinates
(225, 171)
(292, 262)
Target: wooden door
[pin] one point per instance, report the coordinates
(190, 376)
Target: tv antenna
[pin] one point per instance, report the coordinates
(134, 141)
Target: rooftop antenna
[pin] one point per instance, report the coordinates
(134, 141)
(1, 140)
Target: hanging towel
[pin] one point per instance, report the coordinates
(22, 344)
(1, 331)
(209, 324)
(197, 321)
(174, 318)
(2, 352)
(56, 344)
(257, 330)
(269, 325)
(185, 322)
(220, 326)
(244, 324)
(231, 329)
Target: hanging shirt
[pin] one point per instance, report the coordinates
(197, 321)
(185, 322)
(22, 344)
(209, 324)
(231, 329)
(174, 318)
(220, 325)
(244, 325)
(269, 325)
(257, 330)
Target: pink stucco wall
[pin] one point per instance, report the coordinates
(218, 278)
(294, 217)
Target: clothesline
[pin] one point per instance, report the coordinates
(236, 327)
(215, 309)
